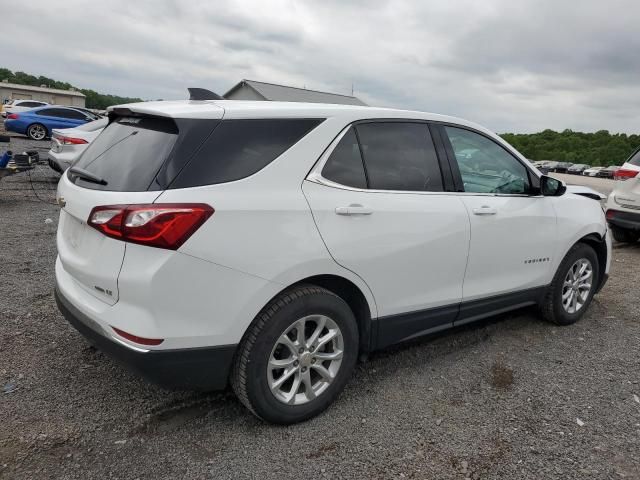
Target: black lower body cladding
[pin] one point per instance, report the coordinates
(203, 369)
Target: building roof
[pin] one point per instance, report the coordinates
(30, 88)
(283, 93)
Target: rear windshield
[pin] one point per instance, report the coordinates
(128, 153)
(635, 158)
(136, 154)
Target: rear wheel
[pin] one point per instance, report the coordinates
(297, 355)
(625, 236)
(573, 286)
(37, 131)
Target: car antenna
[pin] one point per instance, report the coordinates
(203, 94)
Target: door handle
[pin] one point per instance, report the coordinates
(354, 209)
(485, 210)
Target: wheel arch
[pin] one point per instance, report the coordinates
(599, 245)
(353, 296)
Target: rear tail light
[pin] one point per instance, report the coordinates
(161, 225)
(624, 174)
(71, 140)
(610, 214)
(12, 116)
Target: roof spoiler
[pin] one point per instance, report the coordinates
(203, 94)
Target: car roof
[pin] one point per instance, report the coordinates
(238, 109)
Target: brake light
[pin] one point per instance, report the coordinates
(71, 140)
(624, 174)
(161, 225)
(610, 214)
(137, 339)
(12, 116)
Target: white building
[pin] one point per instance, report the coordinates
(12, 91)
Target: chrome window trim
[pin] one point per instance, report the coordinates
(315, 175)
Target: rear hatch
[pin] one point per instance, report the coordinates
(131, 162)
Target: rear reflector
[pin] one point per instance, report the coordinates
(12, 116)
(624, 174)
(136, 339)
(610, 214)
(71, 140)
(161, 225)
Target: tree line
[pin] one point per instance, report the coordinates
(96, 100)
(599, 148)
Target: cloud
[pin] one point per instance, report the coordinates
(512, 66)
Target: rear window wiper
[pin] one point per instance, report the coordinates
(87, 176)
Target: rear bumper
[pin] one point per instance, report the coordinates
(205, 368)
(622, 219)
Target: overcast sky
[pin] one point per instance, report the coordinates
(518, 66)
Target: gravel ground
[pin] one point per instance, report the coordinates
(512, 397)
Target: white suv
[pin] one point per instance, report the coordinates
(623, 204)
(270, 245)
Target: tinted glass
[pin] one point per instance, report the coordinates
(400, 156)
(485, 166)
(47, 112)
(635, 158)
(128, 153)
(74, 114)
(239, 148)
(344, 166)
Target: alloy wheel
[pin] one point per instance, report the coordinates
(37, 132)
(577, 285)
(305, 359)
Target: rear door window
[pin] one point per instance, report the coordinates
(240, 148)
(400, 156)
(128, 153)
(344, 165)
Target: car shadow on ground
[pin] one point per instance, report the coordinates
(173, 410)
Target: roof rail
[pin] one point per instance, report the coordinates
(203, 94)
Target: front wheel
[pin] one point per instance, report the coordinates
(573, 286)
(37, 131)
(625, 236)
(296, 356)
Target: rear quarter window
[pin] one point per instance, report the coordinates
(240, 148)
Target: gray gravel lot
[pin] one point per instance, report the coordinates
(512, 397)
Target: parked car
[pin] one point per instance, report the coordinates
(623, 210)
(630, 168)
(37, 124)
(16, 106)
(541, 166)
(608, 172)
(592, 171)
(562, 167)
(68, 144)
(577, 168)
(551, 165)
(250, 242)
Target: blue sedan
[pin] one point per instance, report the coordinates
(38, 123)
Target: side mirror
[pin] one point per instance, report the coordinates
(551, 187)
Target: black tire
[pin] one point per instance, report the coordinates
(249, 373)
(35, 127)
(624, 235)
(551, 305)
(5, 139)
